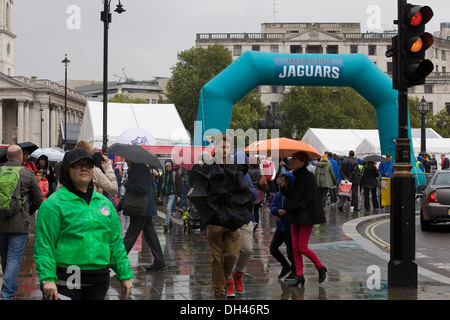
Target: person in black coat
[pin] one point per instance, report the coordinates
(305, 210)
(369, 180)
(140, 180)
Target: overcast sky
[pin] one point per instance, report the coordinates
(146, 38)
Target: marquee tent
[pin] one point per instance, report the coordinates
(340, 141)
(365, 142)
(161, 120)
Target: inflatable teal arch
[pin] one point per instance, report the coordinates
(254, 68)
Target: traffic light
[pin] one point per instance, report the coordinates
(413, 41)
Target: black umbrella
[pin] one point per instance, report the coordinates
(28, 146)
(135, 153)
(374, 158)
(221, 196)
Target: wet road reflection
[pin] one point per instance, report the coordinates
(188, 273)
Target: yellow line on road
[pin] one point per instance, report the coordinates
(372, 236)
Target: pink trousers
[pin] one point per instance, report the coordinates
(301, 233)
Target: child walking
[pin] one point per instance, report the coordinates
(282, 232)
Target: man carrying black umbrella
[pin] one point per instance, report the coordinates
(224, 201)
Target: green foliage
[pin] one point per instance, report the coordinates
(325, 107)
(124, 98)
(247, 110)
(440, 122)
(194, 68)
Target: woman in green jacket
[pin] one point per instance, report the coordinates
(78, 237)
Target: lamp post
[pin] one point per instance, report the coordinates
(294, 132)
(106, 18)
(423, 107)
(66, 64)
(49, 119)
(42, 120)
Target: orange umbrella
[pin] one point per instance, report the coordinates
(281, 147)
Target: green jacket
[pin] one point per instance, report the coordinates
(71, 232)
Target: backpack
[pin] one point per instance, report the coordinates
(267, 169)
(10, 198)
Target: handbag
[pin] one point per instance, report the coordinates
(135, 205)
(345, 189)
(263, 184)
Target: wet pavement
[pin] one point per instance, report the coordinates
(357, 268)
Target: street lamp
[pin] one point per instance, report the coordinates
(106, 17)
(294, 132)
(66, 63)
(42, 120)
(49, 119)
(423, 107)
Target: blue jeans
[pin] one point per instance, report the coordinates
(11, 249)
(167, 203)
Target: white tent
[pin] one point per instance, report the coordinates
(161, 120)
(340, 141)
(366, 142)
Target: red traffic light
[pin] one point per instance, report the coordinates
(418, 15)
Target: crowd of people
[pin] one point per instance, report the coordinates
(76, 205)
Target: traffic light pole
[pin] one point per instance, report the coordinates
(402, 269)
(410, 68)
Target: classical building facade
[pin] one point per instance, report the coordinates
(31, 109)
(338, 38)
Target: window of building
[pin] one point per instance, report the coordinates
(372, 50)
(443, 56)
(332, 49)
(273, 89)
(314, 49)
(296, 49)
(237, 50)
(256, 47)
(428, 88)
(274, 48)
(389, 67)
(447, 106)
(353, 48)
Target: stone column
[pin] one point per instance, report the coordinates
(44, 120)
(53, 131)
(21, 125)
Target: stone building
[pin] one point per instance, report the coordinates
(150, 90)
(338, 38)
(31, 109)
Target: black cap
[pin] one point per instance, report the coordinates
(77, 154)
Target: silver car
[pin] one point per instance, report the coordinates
(435, 202)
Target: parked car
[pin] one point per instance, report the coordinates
(435, 202)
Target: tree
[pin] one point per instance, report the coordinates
(246, 110)
(194, 68)
(124, 98)
(325, 107)
(440, 122)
